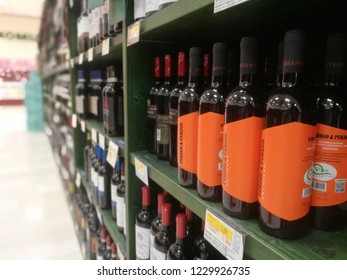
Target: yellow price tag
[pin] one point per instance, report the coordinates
(141, 171)
(105, 47)
(134, 33)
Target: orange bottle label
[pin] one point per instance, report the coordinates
(330, 167)
(187, 136)
(210, 145)
(287, 154)
(241, 157)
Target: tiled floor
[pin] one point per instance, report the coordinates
(35, 221)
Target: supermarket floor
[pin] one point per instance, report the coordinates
(34, 215)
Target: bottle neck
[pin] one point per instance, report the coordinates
(166, 227)
(247, 79)
(157, 81)
(194, 80)
(179, 241)
(334, 79)
(181, 80)
(292, 79)
(218, 80)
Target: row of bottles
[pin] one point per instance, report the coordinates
(101, 101)
(252, 145)
(106, 182)
(155, 233)
(145, 8)
(98, 24)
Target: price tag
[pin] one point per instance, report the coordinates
(74, 120)
(112, 153)
(223, 237)
(134, 33)
(141, 171)
(90, 54)
(120, 253)
(105, 49)
(80, 58)
(83, 126)
(102, 141)
(220, 5)
(78, 180)
(94, 136)
(72, 63)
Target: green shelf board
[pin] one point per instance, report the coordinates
(90, 123)
(258, 245)
(106, 215)
(115, 52)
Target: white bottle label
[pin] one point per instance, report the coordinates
(94, 105)
(142, 242)
(101, 184)
(151, 245)
(152, 5)
(139, 8)
(120, 211)
(99, 258)
(79, 104)
(157, 255)
(114, 194)
(160, 2)
(92, 176)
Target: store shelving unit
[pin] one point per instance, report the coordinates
(182, 25)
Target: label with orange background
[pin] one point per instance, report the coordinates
(210, 145)
(241, 157)
(330, 167)
(187, 136)
(287, 155)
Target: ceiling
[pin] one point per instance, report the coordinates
(22, 8)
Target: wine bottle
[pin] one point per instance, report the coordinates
(329, 195)
(93, 240)
(102, 245)
(200, 247)
(207, 70)
(269, 70)
(86, 152)
(178, 250)
(285, 164)
(173, 107)
(104, 188)
(164, 238)
(152, 6)
(105, 13)
(143, 224)
(120, 196)
(188, 107)
(152, 108)
(210, 128)
(81, 99)
(115, 181)
(156, 222)
(232, 71)
(108, 251)
(162, 103)
(165, 3)
(94, 171)
(114, 255)
(244, 122)
(279, 64)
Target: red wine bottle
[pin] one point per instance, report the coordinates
(156, 224)
(188, 108)
(120, 196)
(162, 102)
(165, 236)
(102, 245)
(244, 122)
(329, 194)
(152, 108)
(173, 107)
(210, 129)
(207, 70)
(95, 168)
(286, 165)
(200, 247)
(104, 187)
(81, 98)
(108, 252)
(114, 255)
(178, 250)
(115, 181)
(88, 149)
(143, 224)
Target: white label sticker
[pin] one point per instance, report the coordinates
(105, 49)
(220, 5)
(120, 211)
(134, 33)
(142, 242)
(72, 63)
(224, 238)
(151, 245)
(114, 194)
(102, 141)
(83, 126)
(152, 5)
(101, 184)
(79, 104)
(112, 153)
(139, 9)
(78, 180)
(80, 58)
(74, 120)
(94, 135)
(141, 171)
(90, 54)
(157, 255)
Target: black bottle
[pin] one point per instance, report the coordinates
(178, 250)
(156, 222)
(120, 197)
(285, 198)
(104, 188)
(115, 181)
(81, 98)
(108, 251)
(102, 245)
(94, 172)
(86, 153)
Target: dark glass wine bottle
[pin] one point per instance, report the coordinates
(178, 250)
(86, 152)
(162, 103)
(188, 108)
(81, 99)
(286, 165)
(102, 245)
(232, 71)
(329, 195)
(207, 71)
(244, 122)
(120, 196)
(156, 223)
(104, 188)
(143, 224)
(94, 169)
(97, 88)
(93, 240)
(152, 108)
(108, 251)
(114, 255)
(210, 128)
(165, 237)
(173, 106)
(200, 247)
(115, 181)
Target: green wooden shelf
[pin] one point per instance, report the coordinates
(258, 245)
(106, 216)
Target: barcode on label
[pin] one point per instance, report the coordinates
(306, 192)
(340, 186)
(236, 244)
(220, 166)
(319, 186)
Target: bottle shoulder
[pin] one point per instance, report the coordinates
(177, 90)
(212, 95)
(154, 90)
(164, 90)
(243, 96)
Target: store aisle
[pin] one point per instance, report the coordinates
(34, 216)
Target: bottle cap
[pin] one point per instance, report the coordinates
(166, 214)
(168, 72)
(146, 196)
(336, 57)
(181, 226)
(157, 67)
(181, 64)
(294, 51)
(220, 53)
(249, 55)
(113, 249)
(103, 233)
(108, 240)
